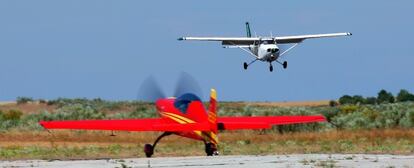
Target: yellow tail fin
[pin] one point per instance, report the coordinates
(212, 116)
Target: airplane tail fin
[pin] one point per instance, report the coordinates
(248, 33)
(212, 116)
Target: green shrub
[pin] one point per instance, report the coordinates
(333, 103)
(407, 120)
(12, 115)
(346, 99)
(348, 109)
(357, 99)
(23, 100)
(42, 101)
(371, 100)
(385, 97)
(404, 95)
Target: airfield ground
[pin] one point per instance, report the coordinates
(268, 161)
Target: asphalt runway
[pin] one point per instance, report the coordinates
(269, 161)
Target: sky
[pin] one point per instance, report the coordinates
(106, 49)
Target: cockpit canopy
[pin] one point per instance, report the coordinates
(182, 102)
(273, 50)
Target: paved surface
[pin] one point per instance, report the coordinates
(297, 160)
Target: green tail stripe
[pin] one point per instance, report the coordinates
(248, 30)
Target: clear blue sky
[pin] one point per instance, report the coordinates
(79, 48)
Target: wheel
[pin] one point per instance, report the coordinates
(149, 150)
(211, 149)
(284, 65)
(245, 65)
(271, 68)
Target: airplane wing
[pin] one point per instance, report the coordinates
(251, 40)
(224, 123)
(155, 124)
(264, 122)
(300, 38)
(228, 40)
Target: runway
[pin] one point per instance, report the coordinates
(269, 161)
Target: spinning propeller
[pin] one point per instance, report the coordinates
(150, 91)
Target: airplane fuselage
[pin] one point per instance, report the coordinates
(195, 114)
(265, 52)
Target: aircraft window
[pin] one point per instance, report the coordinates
(268, 50)
(275, 50)
(182, 102)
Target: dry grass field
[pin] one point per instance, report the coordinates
(99, 144)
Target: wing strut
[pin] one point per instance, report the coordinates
(290, 48)
(243, 48)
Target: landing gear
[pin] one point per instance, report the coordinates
(211, 149)
(271, 68)
(284, 64)
(245, 65)
(149, 149)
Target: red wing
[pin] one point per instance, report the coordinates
(125, 125)
(234, 123)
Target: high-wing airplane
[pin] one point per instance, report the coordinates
(265, 49)
(184, 116)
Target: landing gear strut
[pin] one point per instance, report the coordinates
(284, 64)
(271, 67)
(211, 149)
(245, 65)
(149, 149)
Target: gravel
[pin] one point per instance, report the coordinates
(268, 161)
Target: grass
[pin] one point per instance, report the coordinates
(98, 144)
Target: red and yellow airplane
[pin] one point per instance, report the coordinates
(184, 116)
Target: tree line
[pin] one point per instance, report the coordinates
(383, 96)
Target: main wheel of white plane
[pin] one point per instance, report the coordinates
(285, 65)
(271, 68)
(245, 65)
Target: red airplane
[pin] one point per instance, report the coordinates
(184, 116)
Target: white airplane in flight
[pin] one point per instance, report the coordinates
(265, 49)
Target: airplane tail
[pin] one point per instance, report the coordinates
(248, 33)
(212, 116)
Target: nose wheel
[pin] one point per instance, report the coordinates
(271, 68)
